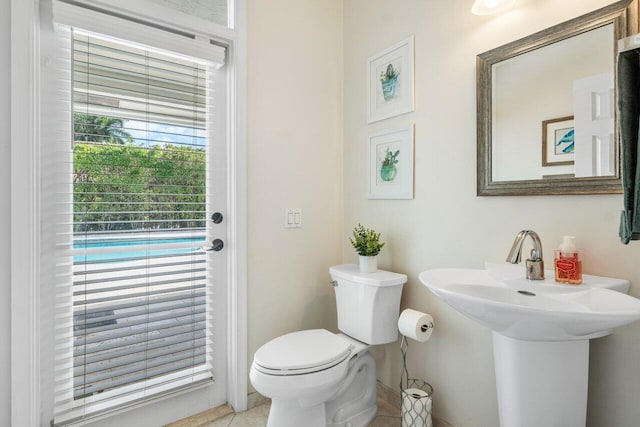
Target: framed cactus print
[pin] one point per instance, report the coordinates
(390, 82)
(390, 164)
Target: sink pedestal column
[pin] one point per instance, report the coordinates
(541, 383)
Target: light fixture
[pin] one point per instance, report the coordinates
(488, 7)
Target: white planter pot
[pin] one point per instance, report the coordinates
(368, 264)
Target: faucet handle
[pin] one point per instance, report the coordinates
(535, 269)
(535, 255)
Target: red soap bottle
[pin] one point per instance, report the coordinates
(567, 262)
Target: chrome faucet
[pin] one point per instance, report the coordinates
(535, 264)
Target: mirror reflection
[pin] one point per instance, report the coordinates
(552, 112)
(545, 111)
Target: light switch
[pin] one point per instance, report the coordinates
(293, 218)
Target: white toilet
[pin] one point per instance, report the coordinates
(317, 378)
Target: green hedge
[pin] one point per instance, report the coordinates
(121, 187)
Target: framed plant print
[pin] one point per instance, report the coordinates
(390, 82)
(558, 144)
(390, 164)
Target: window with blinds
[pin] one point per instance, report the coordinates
(134, 320)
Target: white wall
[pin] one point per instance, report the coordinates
(5, 173)
(294, 160)
(446, 225)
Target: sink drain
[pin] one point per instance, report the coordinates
(527, 293)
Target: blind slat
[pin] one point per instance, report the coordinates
(129, 268)
(110, 321)
(139, 366)
(160, 337)
(181, 340)
(193, 323)
(146, 370)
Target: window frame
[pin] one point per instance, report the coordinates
(25, 193)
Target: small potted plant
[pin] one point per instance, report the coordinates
(389, 82)
(367, 244)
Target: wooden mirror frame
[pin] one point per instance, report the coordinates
(624, 17)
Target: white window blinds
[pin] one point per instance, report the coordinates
(133, 299)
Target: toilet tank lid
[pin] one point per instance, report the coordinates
(379, 278)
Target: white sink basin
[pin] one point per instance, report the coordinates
(500, 298)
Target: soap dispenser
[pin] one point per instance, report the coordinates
(567, 262)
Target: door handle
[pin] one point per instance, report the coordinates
(217, 218)
(216, 245)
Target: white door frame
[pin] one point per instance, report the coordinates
(25, 348)
(237, 375)
(25, 364)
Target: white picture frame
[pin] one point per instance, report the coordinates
(390, 82)
(390, 164)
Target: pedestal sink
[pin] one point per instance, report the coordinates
(541, 331)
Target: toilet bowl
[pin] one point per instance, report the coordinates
(304, 370)
(316, 378)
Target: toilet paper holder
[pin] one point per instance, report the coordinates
(424, 328)
(416, 395)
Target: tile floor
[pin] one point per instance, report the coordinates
(257, 417)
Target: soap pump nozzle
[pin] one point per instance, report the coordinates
(568, 246)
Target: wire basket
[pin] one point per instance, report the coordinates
(417, 396)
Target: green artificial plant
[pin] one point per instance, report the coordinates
(366, 241)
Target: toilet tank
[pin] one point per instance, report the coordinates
(368, 303)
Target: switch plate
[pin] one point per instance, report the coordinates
(293, 218)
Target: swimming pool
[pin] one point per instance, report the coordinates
(129, 251)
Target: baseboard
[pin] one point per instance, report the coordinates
(203, 418)
(256, 399)
(389, 395)
(206, 417)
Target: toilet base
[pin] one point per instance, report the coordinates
(353, 404)
(289, 413)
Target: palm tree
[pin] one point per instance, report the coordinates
(87, 127)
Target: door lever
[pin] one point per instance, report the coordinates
(216, 245)
(217, 218)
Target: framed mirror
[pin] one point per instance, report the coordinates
(546, 121)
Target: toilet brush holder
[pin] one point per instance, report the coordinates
(416, 395)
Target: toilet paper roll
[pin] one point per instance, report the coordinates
(415, 324)
(416, 408)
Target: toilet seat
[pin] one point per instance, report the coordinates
(302, 352)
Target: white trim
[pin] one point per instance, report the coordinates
(237, 205)
(151, 401)
(25, 372)
(232, 12)
(162, 16)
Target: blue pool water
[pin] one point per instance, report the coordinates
(129, 253)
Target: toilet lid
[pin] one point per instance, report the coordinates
(302, 351)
